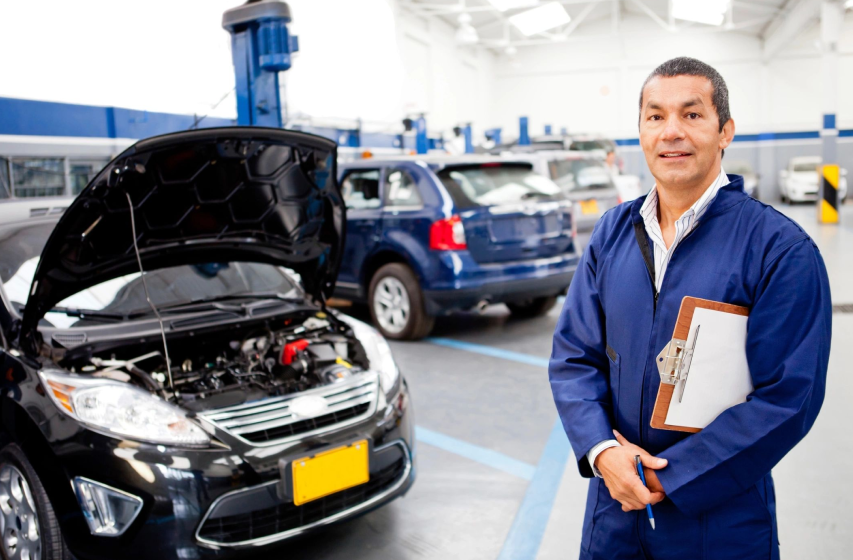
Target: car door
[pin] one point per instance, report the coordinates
(361, 190)
(405, 220)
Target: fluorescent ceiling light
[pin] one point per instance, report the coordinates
(504, 5)
(467, 35)
(543, 18)
(711, 12)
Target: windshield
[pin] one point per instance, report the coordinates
(587, 145)
(21, 246)
(806, 166)
(490, 185)
(575, 175)
(738, 168)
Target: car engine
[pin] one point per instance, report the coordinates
(210, 371)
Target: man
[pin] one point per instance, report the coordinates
(702, 236)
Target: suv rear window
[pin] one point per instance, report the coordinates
(492, 185)
(580, 174)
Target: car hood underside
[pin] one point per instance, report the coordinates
(213, 195)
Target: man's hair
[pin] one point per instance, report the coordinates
(685, 66)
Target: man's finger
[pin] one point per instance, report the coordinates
(657, 497)
(641, 493)
(620, 438)
(652, 462)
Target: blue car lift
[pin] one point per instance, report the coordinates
(261, 47)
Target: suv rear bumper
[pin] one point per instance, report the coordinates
(502, 282)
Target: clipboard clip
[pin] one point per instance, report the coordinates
(674, 361)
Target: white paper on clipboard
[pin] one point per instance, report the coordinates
(719, 374)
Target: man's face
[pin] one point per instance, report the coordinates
(680, 132)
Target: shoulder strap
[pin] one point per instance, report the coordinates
(643, 242)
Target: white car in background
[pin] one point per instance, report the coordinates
(744, 169)
(799, 182)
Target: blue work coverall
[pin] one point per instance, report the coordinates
(720, 500)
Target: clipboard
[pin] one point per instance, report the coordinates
(675, 360)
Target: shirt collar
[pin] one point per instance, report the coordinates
(649, 208)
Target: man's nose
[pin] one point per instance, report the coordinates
(673, 129)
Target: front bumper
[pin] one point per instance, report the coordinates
(227, 501)
(500, 282)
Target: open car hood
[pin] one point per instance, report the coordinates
(213, 195)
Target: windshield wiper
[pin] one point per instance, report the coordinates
(536, 194)
(218, 302)
(88, 313)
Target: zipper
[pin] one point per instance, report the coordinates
(643, 427)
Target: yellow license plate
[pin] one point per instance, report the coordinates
(589, 206)
(329, 472)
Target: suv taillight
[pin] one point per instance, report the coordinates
(447, 235)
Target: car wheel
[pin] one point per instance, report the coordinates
(532, 307)
(28, 524)
(397, 303)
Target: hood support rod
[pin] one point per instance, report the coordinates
(147, 296)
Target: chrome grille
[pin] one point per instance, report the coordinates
(271, 420)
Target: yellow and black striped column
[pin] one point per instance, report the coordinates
(827, 210)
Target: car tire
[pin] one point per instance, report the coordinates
(23, 497)
(532, 307)
(397, 304)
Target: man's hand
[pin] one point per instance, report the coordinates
(619, 471)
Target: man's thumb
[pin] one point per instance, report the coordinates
(653, 462)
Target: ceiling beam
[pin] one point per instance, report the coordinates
(787, 26)
(651, 13)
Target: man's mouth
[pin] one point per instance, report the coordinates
(671, 155)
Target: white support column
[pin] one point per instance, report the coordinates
(831, 21)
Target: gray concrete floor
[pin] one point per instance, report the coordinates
(460, 508)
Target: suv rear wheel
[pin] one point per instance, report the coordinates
(397, 303)
(28, 526)
(533, 307)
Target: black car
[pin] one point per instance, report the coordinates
(169, 389)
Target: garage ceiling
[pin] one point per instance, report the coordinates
(774, 21)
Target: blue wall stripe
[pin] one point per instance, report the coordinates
(829, 121)
(528, 527)
(491, 351)
(764, 136)
(43, 118)
(476, 453)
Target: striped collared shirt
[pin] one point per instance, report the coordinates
(683, 226)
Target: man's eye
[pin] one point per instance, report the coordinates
(655, 118)
(692, 115)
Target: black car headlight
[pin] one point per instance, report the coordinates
(378, 353)
(121, 410)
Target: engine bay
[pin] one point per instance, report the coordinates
(225, 367)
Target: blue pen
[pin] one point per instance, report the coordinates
(643, 478)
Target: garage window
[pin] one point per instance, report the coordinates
(5, 186)
(361, 189)
(38, 177)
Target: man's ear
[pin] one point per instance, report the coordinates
(727, 134)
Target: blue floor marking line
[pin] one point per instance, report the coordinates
(528, 528)
(476, 453)
(491, 351)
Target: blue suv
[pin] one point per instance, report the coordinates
(426, 237)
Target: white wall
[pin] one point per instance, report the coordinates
(364, 60)
(592, 84)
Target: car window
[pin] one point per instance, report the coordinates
(361, 189)
(806, 166)
(491, 184)
(401, 189)
(580, 174)
(587, 145)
